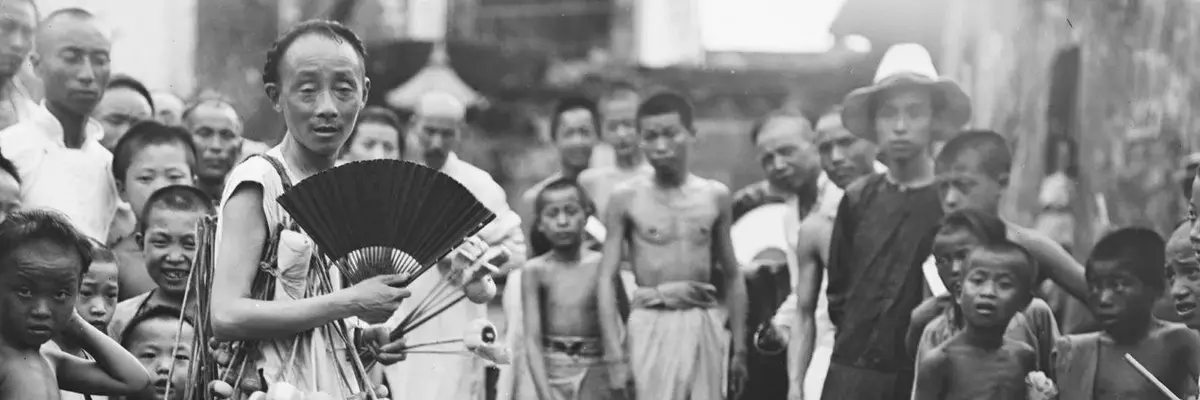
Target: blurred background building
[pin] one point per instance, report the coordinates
(1099, 90)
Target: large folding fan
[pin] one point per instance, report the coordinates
(377, 217)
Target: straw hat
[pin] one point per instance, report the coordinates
(903, 65)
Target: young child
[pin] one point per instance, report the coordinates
(167, 239)
(42, 258)
(10, 188)
(163, 344)
(148, 157)
(95, 303)
(562, 327)
(981, 362)
(1125, 275)
(961, 231)
(1183, 274)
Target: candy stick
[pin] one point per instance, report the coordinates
(1150, 377)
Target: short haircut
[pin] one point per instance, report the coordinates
(667, 103)
(995, 159)
(73, 12)
(145, 134)
(572, 103)
(7, 166)
(762, 123)
(27, 226)
(987, 227)
(538, 242)
(379, 115)
(157, 312)
(218, 102)
(176, 198)
(1028, 274)
(618, 89)
(329, 29)
(131, 83)
(1140, 249)
(102, 254)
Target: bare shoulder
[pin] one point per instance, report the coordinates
(1038, 307)
(535, 265)
(1176, 334)
(589, 176)
(625, 191)
(590, 257)
(936, 359)
(714, 187)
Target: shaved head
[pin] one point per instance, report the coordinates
(73, 60)
(440, 105)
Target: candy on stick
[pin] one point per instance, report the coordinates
(479, 333)
(221, 389)
(284, 391)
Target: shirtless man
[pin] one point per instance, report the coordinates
(618, 111)
(677, 228)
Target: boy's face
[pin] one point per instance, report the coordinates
(38, 284)
(1183, 274)
(992, 290)
(576, 137)
(152, 168)
(964, 185)
(120, 109)
(10, 194)
(98, 295)
(168, 246)
(665, 140)
(153, 343)
(619, 123)
(1118, 298)
(950, 249)
(904, 122)
(563, 217)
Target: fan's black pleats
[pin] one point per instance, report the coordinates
(384, 216)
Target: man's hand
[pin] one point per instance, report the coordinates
(737, 374)
(930, 309)
(386, 351)
(376, 299)
(620, 380)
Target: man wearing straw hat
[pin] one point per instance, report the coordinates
(885, 224)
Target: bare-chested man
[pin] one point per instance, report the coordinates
(618, 111)
(677, 228)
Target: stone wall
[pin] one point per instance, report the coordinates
(1130, 113)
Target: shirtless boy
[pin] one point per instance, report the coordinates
(42, 257)
(677, 228)
(1125, 275)
(980, 362)
(562, 327)
(1183, 274)
(618, 128)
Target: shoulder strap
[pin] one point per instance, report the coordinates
(279, 169)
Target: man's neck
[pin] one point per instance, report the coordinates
(670, 179)
(915, 172)
(67, 346)
(806, 195)
(1133, 332)
(306, 162)
(74, 125)
(162, 297)
(571, 171)
(214, 187)
(568, 254)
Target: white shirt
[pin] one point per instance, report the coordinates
(76, 182)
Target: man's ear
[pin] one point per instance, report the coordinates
(139, 237)
(121, 190)
(35, 59)
(1003, 179)
(272, 90)
(366, 89)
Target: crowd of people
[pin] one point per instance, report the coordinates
(871, 263)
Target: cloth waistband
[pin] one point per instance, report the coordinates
(684, 295)
(577, 346)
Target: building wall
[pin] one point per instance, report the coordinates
(1137, 82)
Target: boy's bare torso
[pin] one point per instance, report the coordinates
(671, 230)
(26, 375)
(568, 295)
(1164, 352)
(979, 374)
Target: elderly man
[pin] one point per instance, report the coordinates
(844, 157)
(885, 223)
(438, 125)
(57, 152)
(216, 128)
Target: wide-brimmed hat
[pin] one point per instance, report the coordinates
(903, 65)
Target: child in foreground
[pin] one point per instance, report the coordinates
(150, 156)
(961, 231)
(980, 362)
(95, 303)
(1125, 277)
(42, 258)
(168, 242)
(562, 329)
(163, 344)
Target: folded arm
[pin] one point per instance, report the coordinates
(237, 316)
(114, 371)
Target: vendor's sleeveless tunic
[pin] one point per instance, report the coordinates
(315, 360)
